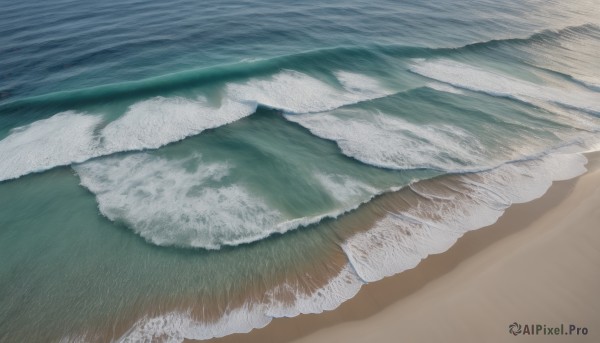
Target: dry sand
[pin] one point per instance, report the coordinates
(539, 264)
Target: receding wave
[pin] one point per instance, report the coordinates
(431, 215)
(284, 300)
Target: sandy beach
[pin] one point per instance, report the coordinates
(539, 264)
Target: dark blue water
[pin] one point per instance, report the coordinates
(63, 45)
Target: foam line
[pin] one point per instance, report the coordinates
(171, 204)
(395, 243)
(399, 241)
(295, 92)
(168, 204)
(175, 327)
(391, 142)
(494, 83)
(442, 87)
(159, 121)
(59, 140)
(72, 137)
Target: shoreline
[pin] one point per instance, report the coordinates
(399, 300)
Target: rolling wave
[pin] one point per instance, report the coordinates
(186, 79)
(544, 37)
(134, 188)
(153, 123)
(71, 137)
(476, 79)
(170, 203)
(245, 69)
(388, 141)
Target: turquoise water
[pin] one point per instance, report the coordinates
(183, 170)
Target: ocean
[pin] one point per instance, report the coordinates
(188, 170)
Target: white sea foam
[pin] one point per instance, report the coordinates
(362, 87)
(328, 297)
(442, 87)
(392, 142)
(71, 137)
(399, 241)
(567, 116)
(169, 204)
(494, 83)
(159, 121)
(74, 339)
(62, 139)
(346, 190)
(593, 144)
(175, 327)
(295, 92)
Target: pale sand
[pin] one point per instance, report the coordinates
(540, 263)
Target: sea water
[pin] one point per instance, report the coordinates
(174, 170)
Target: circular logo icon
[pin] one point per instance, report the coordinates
(514, 328)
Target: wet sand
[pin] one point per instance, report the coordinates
(539, 264)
